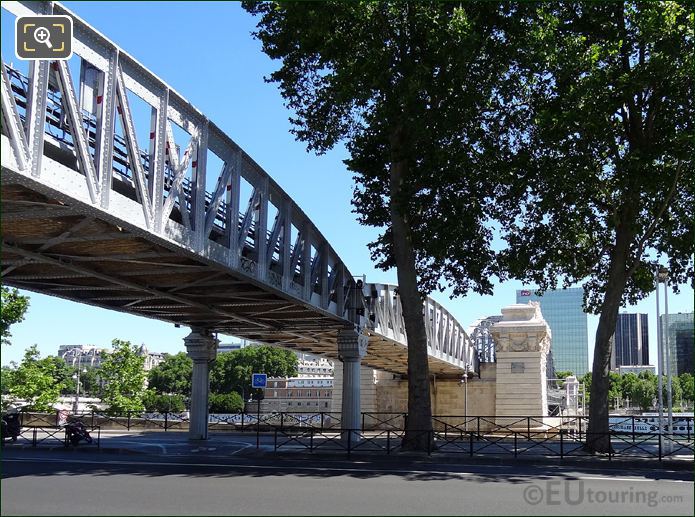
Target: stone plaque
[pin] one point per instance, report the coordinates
(517, 367)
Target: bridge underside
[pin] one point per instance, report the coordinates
(56, 247)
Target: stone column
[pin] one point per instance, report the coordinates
(522, 341)
(352, 347)
(201, 346)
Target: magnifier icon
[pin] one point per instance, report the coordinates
(43, 35)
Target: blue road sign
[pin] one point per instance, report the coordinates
(259, 380)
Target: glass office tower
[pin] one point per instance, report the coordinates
(562, 310)
(631, 344)
(681, 333)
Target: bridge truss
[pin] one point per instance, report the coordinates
(91, 215)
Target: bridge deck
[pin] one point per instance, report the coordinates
(92, 216)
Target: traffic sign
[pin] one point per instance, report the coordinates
(259, 380)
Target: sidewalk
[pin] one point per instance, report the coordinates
(249, 445)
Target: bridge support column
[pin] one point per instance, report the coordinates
(352, 347)
(201, 346)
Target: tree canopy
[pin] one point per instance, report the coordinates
(12, 311)
(603, 184)
(37, 381)
(123, 374)
(412, 89)
(232, 370)
(173, 375)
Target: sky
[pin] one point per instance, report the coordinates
(205, 51)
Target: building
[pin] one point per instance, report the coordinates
(152, 359)
(679, 329)
(631, 343)
(562, 309)
(82, 355)
(91, 356)
(310, 391)
(622, 370)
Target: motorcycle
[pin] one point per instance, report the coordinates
(76, 432)
(11, 427)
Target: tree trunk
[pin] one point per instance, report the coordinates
(597, 436)
(418, 435)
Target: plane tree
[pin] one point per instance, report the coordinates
(419, 93)
(12, 310)
(603, 189)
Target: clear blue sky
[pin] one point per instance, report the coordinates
(204, 50)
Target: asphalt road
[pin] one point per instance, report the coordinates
(36, 482)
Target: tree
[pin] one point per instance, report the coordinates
(226, 403)
(688, 386)
(615, 391)
(90, 381)
(12, 311)
(628, 384)
(173, 375)
(37, 381)
(8, 379)
(168, 403)
(232, 370)
(604, 173)
(586, 381)
(123, 374)
(414, 89)
(676, 390)
(645, 391)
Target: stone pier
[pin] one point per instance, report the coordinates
(522, 341)
(201, 346)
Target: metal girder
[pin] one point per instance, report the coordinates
(158, 139)
(13, 124)
(124, 283)
(99, 237)
(105, 127)
(79, 136)
(324, 294)
(133, 150)
(180, 167)
(199, 168)
(46, 213)
(220, 189)
(36, 113)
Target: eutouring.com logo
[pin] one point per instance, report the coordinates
(572, 493)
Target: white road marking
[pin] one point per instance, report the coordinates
(323, 469)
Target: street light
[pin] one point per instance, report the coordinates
(662, 276)
(464, 380)
(76, 376)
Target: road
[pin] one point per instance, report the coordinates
(36, 482)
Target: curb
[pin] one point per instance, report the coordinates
(416, 458)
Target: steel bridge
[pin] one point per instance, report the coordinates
(89, 214)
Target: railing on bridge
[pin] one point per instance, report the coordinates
(169, 188)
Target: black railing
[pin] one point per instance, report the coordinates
(40, 435)
(634, 436)
(561, 445)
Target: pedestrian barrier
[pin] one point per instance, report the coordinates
(630, 436)
(42, 435)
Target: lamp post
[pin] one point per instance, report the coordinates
(660, 361)
(663, 338)
(76, 376)
(669, 373)
(464, 380)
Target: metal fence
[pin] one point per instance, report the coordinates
(561, 444)
(636, 436)
(36, 435)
